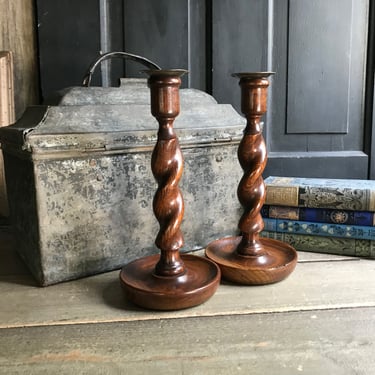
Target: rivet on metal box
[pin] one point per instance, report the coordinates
(79, 179)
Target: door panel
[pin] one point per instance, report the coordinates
(326, 133)
(319, 54)
(314, 125)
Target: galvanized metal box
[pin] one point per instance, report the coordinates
(80, 184)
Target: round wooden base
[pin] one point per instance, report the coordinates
(145, 289)
(278, 261)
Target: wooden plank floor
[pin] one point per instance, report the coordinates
(321, 320)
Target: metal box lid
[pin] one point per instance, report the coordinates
(96, 119)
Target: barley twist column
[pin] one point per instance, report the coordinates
(252, 156)
(169, 281)
(248, 259)
(167, 167)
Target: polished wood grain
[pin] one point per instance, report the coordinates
(249, 259)
(167, 168)
(192, 287)
(275, 262)
(252, 156)
(168, 281)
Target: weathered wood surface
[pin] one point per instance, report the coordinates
(17, 35)
(320, 320)
(7, 116)
(320, 342)
(312, 286)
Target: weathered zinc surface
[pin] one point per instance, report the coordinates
(80, 181)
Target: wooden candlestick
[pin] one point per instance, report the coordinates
(248, 259)
(170, 281)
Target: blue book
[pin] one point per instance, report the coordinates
(319, 229)
(319, 215)
(343, 194)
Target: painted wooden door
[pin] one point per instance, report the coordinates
(317, 49)
(315, 125)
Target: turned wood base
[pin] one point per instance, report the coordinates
(277, 262)
(196, 285)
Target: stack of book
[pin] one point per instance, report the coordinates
(333, 216)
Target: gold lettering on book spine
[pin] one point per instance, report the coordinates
(282, 195)
(284, 212)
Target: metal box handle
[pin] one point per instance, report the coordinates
(129, 56)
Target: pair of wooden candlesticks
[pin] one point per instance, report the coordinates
(172, 281)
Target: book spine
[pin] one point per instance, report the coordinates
(327, 245)
(319, 229)
(319, 215)
(321, 197)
